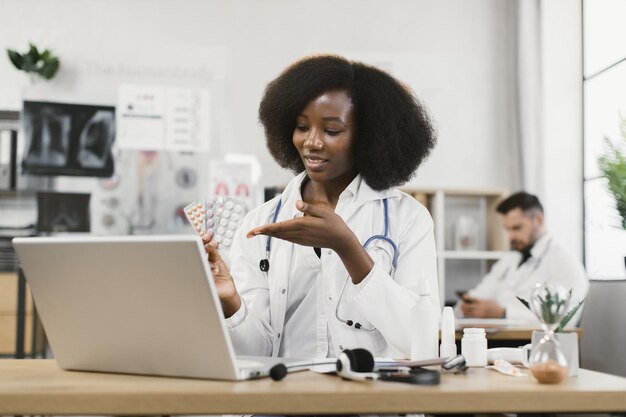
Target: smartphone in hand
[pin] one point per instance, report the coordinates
(463, 295)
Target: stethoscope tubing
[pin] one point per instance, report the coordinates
(264, 264)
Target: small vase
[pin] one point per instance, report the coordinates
(569, 347)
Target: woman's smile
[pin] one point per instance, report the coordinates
(315, 163)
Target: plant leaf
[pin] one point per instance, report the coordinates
(49, 68)
(33, 52)
(16, 58)
(523, 302)
(29, 62)
(568, 317)
(45, 55)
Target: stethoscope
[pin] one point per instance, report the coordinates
(264, 264)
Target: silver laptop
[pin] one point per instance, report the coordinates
(133, 304)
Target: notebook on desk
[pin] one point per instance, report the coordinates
(133, 304)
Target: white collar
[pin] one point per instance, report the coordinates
(358, 188)
(541, 246)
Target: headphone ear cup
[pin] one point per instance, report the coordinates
(343, 364)
(351, 357)
(356, 364)
(361, 360)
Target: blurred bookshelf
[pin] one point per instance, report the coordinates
(468, 234)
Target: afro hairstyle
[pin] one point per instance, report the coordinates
(394, 133)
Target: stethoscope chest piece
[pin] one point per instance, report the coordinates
(264, 265)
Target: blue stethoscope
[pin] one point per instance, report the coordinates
(264, 264)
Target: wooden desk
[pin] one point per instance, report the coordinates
(36, 387)
(520, 333)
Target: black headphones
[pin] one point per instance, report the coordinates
(358, 365)
(352, 364)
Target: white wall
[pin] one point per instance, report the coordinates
(458, 55)
(455, 54)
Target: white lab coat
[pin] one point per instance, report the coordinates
(548, 263)
(380, 300)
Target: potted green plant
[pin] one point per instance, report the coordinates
(613, 167)
(547, 309)
(35, 62)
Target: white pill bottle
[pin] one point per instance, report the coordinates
(474, 346)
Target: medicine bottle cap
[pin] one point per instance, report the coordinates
(473, 330)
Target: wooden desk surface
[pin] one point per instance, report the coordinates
(508, 332)
(503, 334)
(35, 387)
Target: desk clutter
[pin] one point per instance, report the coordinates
(359, 365)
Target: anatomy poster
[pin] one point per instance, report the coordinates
(232, 180)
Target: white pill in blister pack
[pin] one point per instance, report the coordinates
(220, 215)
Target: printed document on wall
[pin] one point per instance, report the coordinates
(160, 118)
(187, 120)
(141, 117)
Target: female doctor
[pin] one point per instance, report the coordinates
(335, 261)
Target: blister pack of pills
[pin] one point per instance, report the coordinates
(220, 215)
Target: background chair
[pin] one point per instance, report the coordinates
(603, 345)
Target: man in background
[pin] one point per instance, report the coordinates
(535, 258)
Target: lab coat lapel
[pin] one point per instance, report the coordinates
(363, 193)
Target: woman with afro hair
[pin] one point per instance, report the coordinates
(305, 278)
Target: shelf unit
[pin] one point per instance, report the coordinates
(461, 268)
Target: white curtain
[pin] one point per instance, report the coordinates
(528, 140)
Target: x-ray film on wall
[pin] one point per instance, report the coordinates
(68, 139)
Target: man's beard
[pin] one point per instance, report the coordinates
(516, 243)
(526, 248)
